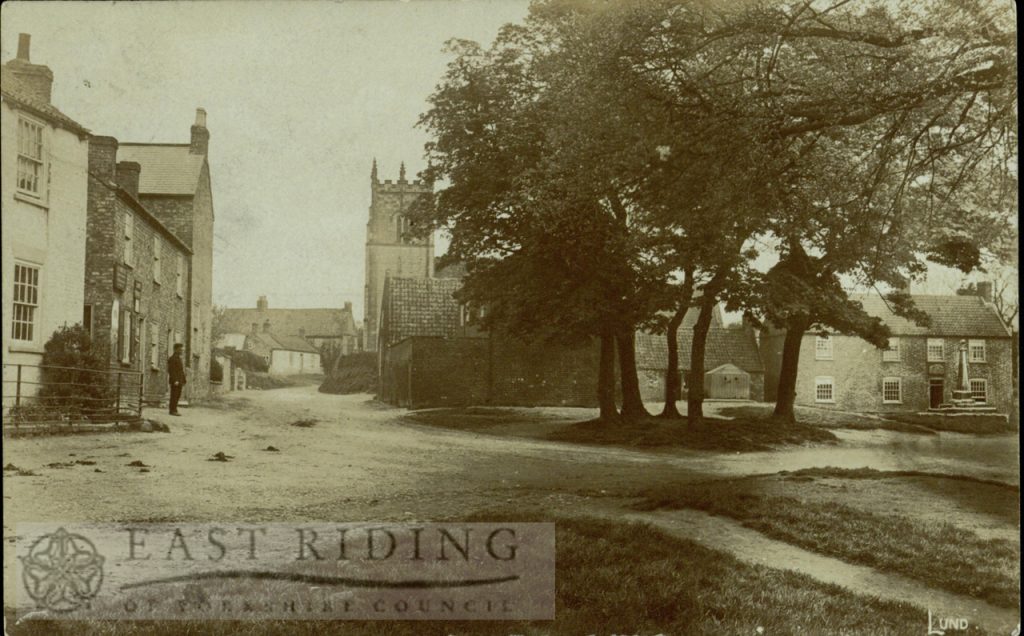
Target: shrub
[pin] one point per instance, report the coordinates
(354, 373)
(246, 360)
(75, 374)
(216, 371)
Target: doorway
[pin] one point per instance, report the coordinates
(936, 392)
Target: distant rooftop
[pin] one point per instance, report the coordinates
(166, 168)
(951, 315)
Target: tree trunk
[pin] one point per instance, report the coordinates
(695, 392)
(786, 392)
(606, 379)
(632, 403)
(673, 382)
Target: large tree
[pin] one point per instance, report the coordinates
(549, 248)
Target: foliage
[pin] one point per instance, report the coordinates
(216, 371)
(246, 360)
(354, 373)
(75, 374)
(217, 326)
(602, 154)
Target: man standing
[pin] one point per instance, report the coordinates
(176, 376)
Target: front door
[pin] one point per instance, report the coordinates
(936, 392)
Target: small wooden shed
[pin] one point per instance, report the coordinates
(727, 382)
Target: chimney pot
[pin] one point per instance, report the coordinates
(24, 42)
(262, 303)
(348, 306)
(128, 177)
(201, 117)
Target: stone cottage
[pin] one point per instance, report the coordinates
(916, 372)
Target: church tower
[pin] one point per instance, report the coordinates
(388, 250)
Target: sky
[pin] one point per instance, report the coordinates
(300, 97)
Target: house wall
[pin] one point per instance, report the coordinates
(160, 308)
(858, 370)
(191, 219)
(294, 362)
(49, 234)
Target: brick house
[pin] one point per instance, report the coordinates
(136, 284)
(919, 369)
(389, 251)
(175, 186)
(43, 167)
(325, 329)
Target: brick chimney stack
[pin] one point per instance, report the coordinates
(200, 143)
(348, 306)
(37, 78)
(262, 303)
(103, 157)
(128, 177)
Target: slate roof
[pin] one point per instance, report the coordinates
(724, 346)
(952, 316)
(15, 90)
(283, 343)
(314, 323)
(419, 307)
(166, 168)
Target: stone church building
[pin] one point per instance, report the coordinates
(388, 250)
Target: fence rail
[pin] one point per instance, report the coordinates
(40, 398)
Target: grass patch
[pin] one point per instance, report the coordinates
(982, 424)
(306, 423)
(716, 434)
(871, 473)
(936, 553)
(825, 418)
(355, 373)
(612, 578)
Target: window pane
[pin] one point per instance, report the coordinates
(891, 390)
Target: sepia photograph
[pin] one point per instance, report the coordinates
(510, 317)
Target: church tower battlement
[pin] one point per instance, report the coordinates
(388, 249)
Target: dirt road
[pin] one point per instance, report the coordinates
(361, 460)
